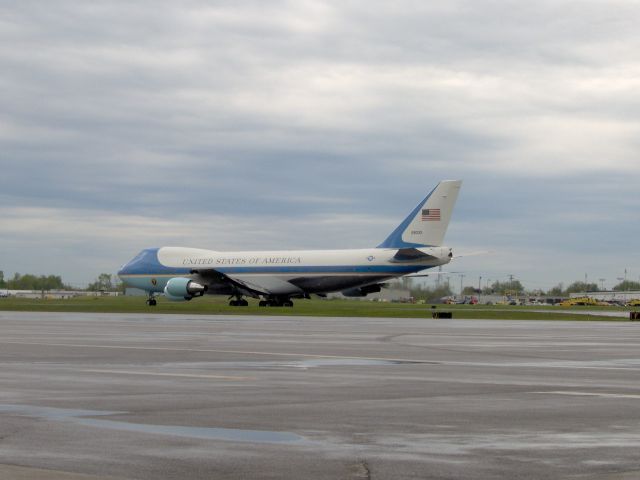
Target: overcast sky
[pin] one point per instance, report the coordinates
(304, 124)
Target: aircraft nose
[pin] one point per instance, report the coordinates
(145, 261)
(126, 268)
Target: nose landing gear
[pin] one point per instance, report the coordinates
(151, 301)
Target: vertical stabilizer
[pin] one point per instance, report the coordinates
(427, 224)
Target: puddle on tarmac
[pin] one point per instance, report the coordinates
(226, 434)
(80, 417)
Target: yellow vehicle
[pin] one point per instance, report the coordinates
(585, 301)
(634, 303)
(571, 302)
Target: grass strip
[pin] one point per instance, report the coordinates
(315, 307)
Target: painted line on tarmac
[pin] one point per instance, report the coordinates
(214, 350)
(309, 355)
(559, 365)
(162, 374)
(591, 394)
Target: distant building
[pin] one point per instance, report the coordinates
(384, 295)
(58, 294)
(135, 292)
(609, 296)
(521, 299)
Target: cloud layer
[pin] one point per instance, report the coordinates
(319, 124)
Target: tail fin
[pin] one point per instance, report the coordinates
(428, 222)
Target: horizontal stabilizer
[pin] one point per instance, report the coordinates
(473, 254)
(431, 274)
(410, 254)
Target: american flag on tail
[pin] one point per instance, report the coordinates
(430, 214)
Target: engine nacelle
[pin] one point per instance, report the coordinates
(179, 289)
(362, 291)
(176, 299)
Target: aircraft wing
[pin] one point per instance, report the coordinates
(252, 285)
(219, 282)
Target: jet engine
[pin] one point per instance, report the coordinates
(362, 291)
(180, 289)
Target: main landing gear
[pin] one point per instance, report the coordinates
(239, 302)
(236, 300)
(276, 302)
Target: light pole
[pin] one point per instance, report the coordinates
(461, 280)
(602, 283)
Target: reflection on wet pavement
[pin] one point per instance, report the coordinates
(80, 417)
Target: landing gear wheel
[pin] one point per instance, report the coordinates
(233, 303)
(243, 303)
(287, 303)
(152, 302)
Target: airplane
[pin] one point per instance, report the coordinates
(277, 277)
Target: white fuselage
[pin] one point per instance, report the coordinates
(288, 272)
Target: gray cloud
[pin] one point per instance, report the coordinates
(318, 124)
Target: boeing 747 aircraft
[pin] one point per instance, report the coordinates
(276, 277)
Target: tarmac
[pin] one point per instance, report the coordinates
(124, 396)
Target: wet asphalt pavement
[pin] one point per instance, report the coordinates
(95, 396)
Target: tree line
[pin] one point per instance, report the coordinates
(432, 294)
(516, 288)
(33, 282)
(104, 282)
(107, 283)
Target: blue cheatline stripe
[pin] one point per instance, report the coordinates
(395, 239)
(376, 269)
(326, 269)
